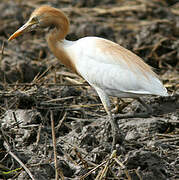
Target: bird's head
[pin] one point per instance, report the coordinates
(42, 17)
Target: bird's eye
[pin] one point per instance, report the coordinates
(34, 19)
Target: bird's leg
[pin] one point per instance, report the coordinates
(147, 107)
(145, 114)
(106, 103)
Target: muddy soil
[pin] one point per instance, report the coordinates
(35, 89)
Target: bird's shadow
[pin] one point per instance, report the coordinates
(160, 106)
(165, 105)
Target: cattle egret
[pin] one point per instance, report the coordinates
(109, 68)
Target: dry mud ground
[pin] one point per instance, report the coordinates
(36, 90)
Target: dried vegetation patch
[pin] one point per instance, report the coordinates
(35, 91)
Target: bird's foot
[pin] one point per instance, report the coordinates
(116, 135)
(112, 130)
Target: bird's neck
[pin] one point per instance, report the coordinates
(60, 25)
(55, 41)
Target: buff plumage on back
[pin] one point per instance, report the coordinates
(121, 55)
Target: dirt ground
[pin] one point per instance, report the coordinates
(36, 90)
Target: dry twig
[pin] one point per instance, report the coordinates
(7, 146)
(54, 146)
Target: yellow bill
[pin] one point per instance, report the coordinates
(26, 27)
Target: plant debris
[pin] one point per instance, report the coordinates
(37, 91)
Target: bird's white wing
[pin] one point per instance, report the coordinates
(116, 70)
(117, 81)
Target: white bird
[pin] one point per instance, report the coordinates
(108, 67)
